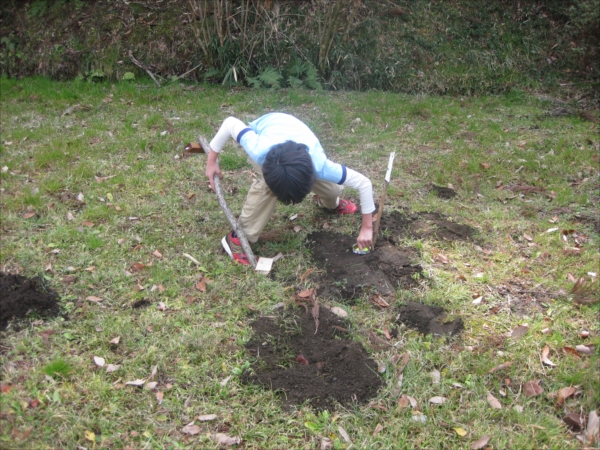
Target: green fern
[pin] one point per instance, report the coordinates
(270, 78)
(312, 80)
(294, 83)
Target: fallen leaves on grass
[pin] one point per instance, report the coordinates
(344, 434)
(532, 388)
(378, 300)
(93, 298)
(480, 443)
(201, 285)
(575, 420)
(440, 257)
(545, 359)
(223, 439)
(435, 376)
(564, 394)
(437, 400)
(586, 292)
(584, 349)
(159, 397)
(494, 402)
(591, 434)
(157, 254)
(339, 312)
(500, 367)
(519, 331)
(116, 340)
(112, 368)
(378, 429)
(191, 429)
(207, 417)
(315, 313)
(460, 431)
(99, 361)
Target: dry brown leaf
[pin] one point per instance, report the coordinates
(494, 402)
(326, 443)
(485, 166)
(584, 349)
(532, 388)
(545, 359)
(305, 275)
(138, 382)
(28, 215)
(500, 367)
(87, 224)
(575, 421)
(480, 443)
(207, 417)
(201, 285)
(572, 351)
(116, 340)
(93, 298)
(344, 434)
(340, 312)
(378, 429)
(527, 237)
(191, 429)
(315, 314)
(157, 254)
(564, 394)
(379, 301)
(297, 228)
(403, 361)
(159, 397)
(386, 333)
(441, 258)
(592, 431)
(403, 401)
(99, 361)
(112, 368)
(223, 439)
(519, 331)
(136, 267)
(436, 376)
(437, 400)
(307, 293)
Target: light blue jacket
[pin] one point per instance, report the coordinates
(276, 128)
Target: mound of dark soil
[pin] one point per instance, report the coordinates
(428, 319)
(337, 370)
(389, 266)
(21, 295)
(443, 192)
(401, 224)
(349, 274)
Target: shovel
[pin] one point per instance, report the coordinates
(388, 175)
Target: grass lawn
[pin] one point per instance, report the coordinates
(96, 199)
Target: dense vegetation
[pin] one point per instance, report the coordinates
(457, 47)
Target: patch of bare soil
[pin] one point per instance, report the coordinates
(401, 224)
(443, 192)
(348, 275)
(389, 266)
(428, 319)
(20, 296)
(322, 368)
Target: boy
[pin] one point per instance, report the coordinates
(290, 163)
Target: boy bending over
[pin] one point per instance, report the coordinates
(290, 163)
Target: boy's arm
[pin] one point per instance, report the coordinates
(367, 205)
(230, 128)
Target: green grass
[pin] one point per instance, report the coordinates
(164, 204)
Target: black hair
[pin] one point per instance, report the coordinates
(288, 171)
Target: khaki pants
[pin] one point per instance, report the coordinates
(261, 202)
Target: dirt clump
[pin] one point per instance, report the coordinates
(428, 319)
(21, 295)
(443, 192)
(322, 368)
(349, 275)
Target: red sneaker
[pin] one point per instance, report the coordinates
(345, 207)
(233, 247)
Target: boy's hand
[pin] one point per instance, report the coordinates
(212, 168)
(365, 237)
